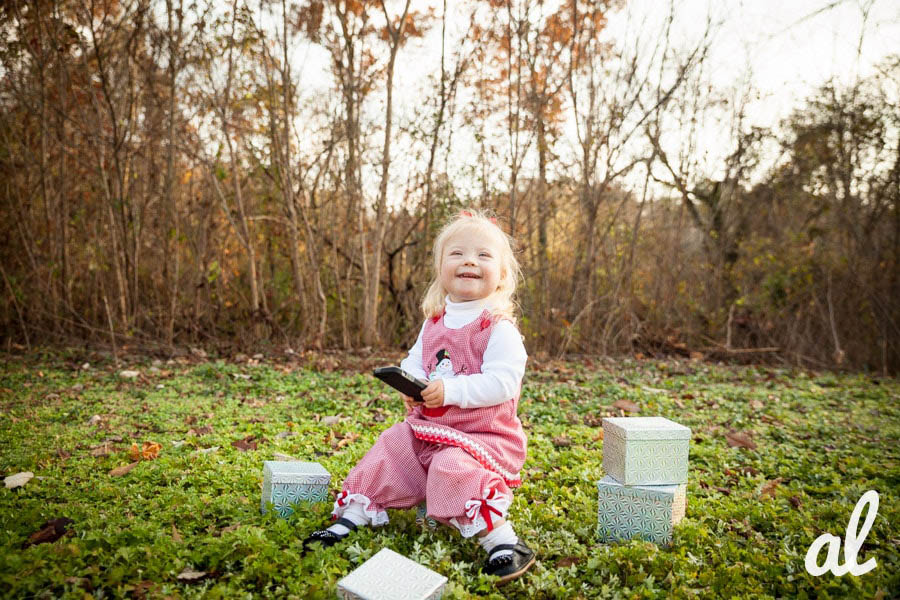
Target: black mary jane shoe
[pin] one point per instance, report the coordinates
(509, 566)
(328, 538)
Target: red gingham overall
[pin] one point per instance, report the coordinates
(461, 461)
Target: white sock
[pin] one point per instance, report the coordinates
(501, 535)
(353, 513)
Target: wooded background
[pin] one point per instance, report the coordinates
(169, 181)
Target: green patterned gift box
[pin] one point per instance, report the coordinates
(647, 512)
(645, 450)
(288, 482)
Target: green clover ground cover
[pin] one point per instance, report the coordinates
(823, 439)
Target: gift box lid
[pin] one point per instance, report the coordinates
(646, 428)
(663, 492)
(392, 576)
(289, 471)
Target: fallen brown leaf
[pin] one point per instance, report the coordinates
(245, 444)
(142, 589)
(18, 480)
(725, 491)
(795, 502)
(768, 489)
(176, 535)
(599, 436)
(592, 420)
(228, 529)
(738, 439)
(567, 561)
(102, 450)
(200, 430)
(626, 405)
(119, 471)
(190, 575)
(150, 450)
(562, 441)
(349, 439)
(49, 532)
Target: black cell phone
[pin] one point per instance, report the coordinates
(402, 381)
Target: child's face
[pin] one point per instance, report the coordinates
(470, 266)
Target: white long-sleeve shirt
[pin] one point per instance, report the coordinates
(502, 367)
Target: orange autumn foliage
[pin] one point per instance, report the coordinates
(148, 451)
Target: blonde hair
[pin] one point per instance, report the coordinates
(502, 300)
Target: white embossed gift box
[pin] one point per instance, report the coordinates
(391, 576)
(645, 450)
(288, 482)
(647, 512)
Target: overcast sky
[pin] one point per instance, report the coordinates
(784, 49)
(794, 46)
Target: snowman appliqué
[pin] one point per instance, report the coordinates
(444, 367)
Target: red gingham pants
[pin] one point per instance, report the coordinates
(400, 471)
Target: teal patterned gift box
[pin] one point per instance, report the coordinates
(647, 512)
(288, 482)
(645, 450)
(391, 576)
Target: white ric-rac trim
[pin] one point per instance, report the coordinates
(482, 452)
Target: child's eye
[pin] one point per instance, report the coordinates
(485, 254)
(456, 253)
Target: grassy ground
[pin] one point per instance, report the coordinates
(824, 438)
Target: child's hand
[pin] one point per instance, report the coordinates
(434, 394)
(410, 404)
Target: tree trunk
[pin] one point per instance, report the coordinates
(372, 275)
(543, 214)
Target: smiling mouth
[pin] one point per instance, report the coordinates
(469, 276)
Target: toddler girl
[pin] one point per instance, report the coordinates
(461, 450)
